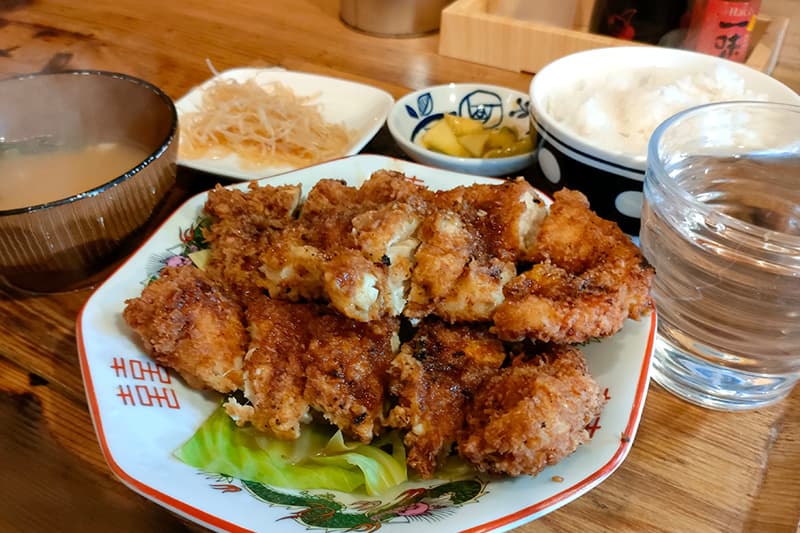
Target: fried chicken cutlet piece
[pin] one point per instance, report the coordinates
(188, 323)
(433, 377)
(449, 264)
(292, 267)
(294, 264)
(531, 414)
(351, 246)
(389, 186)
(507, 215)
(371, 281)
(304, 356)
(469, 246)
(346, 371)
(243, 224)
(393, 247)
(588, 278)
(386, 235)
(274, 367)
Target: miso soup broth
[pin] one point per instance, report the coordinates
(28, 179)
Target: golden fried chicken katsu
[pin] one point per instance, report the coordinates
(243, 224)
(386, 236)
(340, 270)
(390, 186)
(292, 268)
(587, 278)
(450, 266)
(368, 250)
(188, 323)
(392, 247)
(346, 371)
(505, 216)
(531, 414)
(274, 367)
(303, 357)
(470, 242)
(351, 246)
(433, 377)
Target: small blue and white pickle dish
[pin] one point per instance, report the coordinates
(492, 105)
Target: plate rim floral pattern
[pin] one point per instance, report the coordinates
(195, 511)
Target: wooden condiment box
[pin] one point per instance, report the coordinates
(469, 31)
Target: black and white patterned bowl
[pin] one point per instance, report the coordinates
(492, 105)
(614, 190)
(612, 179)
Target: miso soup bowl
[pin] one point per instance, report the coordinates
(612, 177)
(62, 244)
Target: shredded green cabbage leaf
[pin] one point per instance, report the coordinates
(320, 459)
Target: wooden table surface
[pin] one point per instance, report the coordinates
(689, 470)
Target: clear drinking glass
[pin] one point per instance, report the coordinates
(721, 225)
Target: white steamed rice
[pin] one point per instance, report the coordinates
(620, 110)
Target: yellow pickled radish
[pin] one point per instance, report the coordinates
(442, 139)
(463, 125)
(502, 137)
(522, 146)
(475, 143)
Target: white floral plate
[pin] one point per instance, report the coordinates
(361, 107)
(142, 413)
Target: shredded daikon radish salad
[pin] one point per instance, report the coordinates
(262, 124)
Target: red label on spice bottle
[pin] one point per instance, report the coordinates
(724, 27)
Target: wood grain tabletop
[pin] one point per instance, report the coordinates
(689, 470)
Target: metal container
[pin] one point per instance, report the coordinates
(393, 18)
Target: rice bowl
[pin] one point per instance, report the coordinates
(598, 150)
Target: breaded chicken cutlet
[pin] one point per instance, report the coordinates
(299, 357)
(242, 225)
(347, 371)
(350, 246)
(274, 367)
(188, 323)
(394, 248)
(433, 378)
(587, 278)
(448, 382)
(300, 306)
(531, 414)
(469, 246)
(304, 358)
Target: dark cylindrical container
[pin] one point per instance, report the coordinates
(641, 20)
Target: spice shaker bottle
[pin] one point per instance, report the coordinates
(722, 27)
